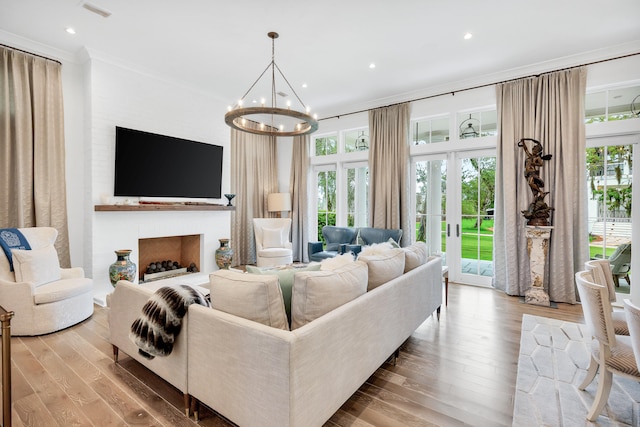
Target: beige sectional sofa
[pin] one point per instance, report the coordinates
(259, 375)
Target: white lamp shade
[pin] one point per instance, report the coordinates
(278, 202)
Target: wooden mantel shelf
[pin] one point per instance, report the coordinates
(164, 207)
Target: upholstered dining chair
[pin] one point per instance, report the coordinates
(601, 271)
(613, 353)
(273, 246)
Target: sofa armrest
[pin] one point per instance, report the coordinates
(71, 273)
(315, 247)
(15, 295)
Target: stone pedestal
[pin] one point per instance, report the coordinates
(537, 247)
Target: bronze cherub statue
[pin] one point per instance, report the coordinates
(538, 212)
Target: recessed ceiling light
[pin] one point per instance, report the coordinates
(372, 65)
(467, 36)
(304, 85)
(70, 30)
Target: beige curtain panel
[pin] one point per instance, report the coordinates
(253, 177)
(549, 109)
(300, 200)
(389, 169)
(32, 164)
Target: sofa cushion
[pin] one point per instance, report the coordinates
(251, 296)
(39, 266)
(384, 267)
(63, 289)
(330, 264)
(285, 279)
(376, 249)
(414, 255)
(318, 292)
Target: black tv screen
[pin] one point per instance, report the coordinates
(152, 165)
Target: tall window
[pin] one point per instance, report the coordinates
(326, 208)
(357, 190)
(610, 177)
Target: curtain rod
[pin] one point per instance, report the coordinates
(452, 93)
(30, 53)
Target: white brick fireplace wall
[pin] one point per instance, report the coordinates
(121, 230)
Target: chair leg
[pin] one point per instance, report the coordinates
(195, 408)
(187, 403)
(604, 388)
(592, 370)
(115, 353)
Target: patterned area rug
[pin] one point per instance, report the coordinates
(554, 356)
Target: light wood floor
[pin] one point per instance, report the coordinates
(459, 371)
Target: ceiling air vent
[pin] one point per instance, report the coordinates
(95, 9)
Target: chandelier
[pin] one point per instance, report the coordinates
(271, 120)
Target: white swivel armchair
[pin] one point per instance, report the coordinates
(273, 246)
(44, 297)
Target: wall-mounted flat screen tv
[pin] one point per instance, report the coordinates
(152, 165)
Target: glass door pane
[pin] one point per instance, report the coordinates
(326, 208)
(609, 179)
(475, 228)
(431, 205)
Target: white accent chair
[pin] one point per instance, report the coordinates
(601, 271)
(44, 297)
(273, 246)
(610, 353)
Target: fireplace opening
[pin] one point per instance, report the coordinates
(163, 257)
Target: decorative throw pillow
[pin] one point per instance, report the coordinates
(336, 262)
(393, 243)
(384, 267)
(251, 296)
(316, 293)
(272, 238)
(39, 266)
(414, 255)
(285, 279)
(376, 249)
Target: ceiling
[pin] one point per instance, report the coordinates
(221, 47)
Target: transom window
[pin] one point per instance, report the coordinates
(430, 131)
(326, 145)
(613, 104)
(477, 124)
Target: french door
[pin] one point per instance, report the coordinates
(453, 202)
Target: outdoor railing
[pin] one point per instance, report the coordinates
(5, 319)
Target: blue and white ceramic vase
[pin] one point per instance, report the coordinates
(224, 255)
(123, 268)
